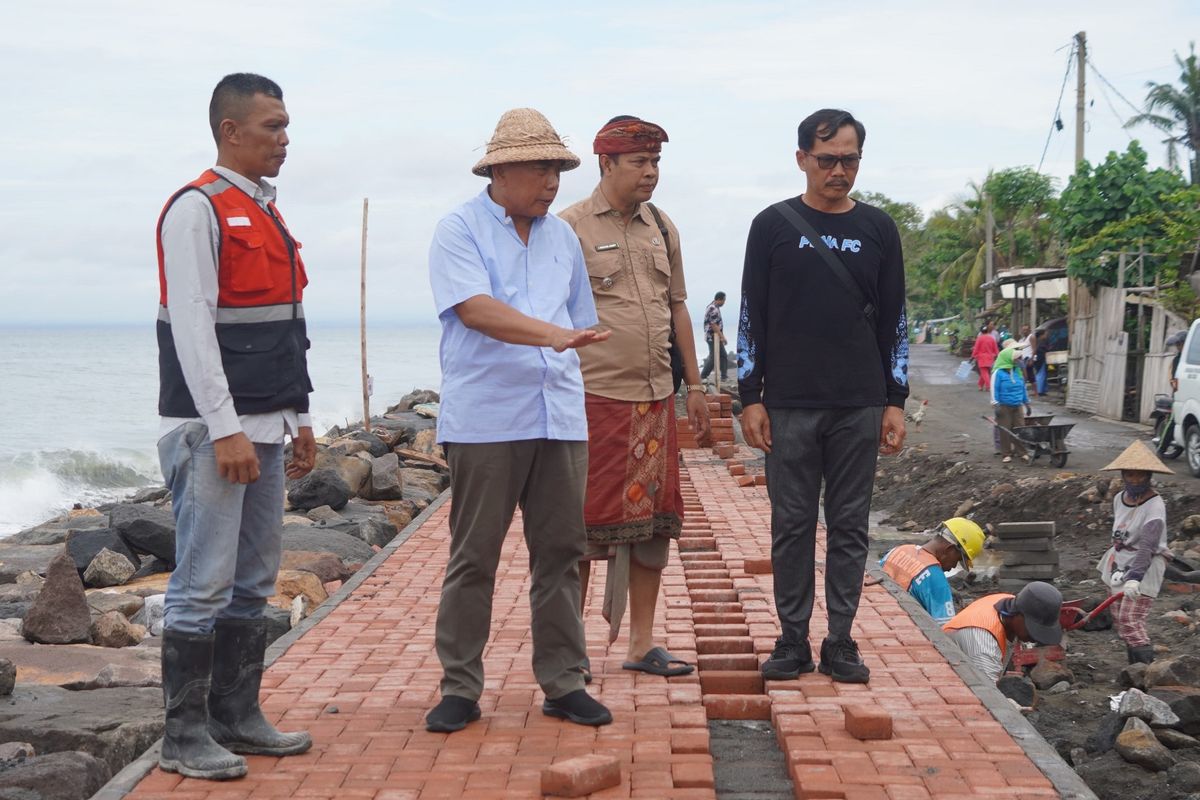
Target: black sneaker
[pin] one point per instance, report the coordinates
(452, 714)
(840, 660)
(579, 707)
(787, 661)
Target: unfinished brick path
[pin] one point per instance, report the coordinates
(363, 677)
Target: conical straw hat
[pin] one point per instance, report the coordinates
(523, 134)
(1138, 456)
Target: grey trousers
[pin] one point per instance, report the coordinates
(547, 478)
(841, 446)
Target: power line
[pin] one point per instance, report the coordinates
(1108, 101)
(1106, 82)
(1056, 122)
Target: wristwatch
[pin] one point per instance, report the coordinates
(694, 387)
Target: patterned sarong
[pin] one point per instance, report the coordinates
(633, 471)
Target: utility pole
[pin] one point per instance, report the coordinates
(990, 249)
(1080, 94)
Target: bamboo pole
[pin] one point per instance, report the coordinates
(362, 325)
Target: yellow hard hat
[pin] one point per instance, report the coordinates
(966, 535)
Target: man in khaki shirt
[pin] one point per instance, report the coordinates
(634, 506)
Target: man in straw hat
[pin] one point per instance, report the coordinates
(512, 294)
(986, 629)
(1135, 564)
(634, 505)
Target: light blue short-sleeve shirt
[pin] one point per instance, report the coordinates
(493, 391)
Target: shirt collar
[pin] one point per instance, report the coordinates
(498, 211)
(598, 205)
(262, 192)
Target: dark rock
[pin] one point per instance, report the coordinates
(1176, 740)
(1151, 710)
(56, 530)
(431, 481)
(113, 629)
(15, 610)
(326, 566)
(1185, 702)
(115, 725)
(69, 775)
(376, 531)
(354, 469)
(1137, 744)
(321, 487)
(385, 482)
(18, 558)
(1179, 671)
(1133, 676)
(108, 569)
(375, 445)
(325, 514)
(86, 545)
(146, 529)
(350, 549)
(60, 613)
(1105, 736)
(413, 398)
(1047, 673)
(151, 494)
(152, 565)
(1019, 689)
(1185, 777)
(8, 676)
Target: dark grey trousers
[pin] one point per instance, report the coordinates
(547, 478)
(841, 446)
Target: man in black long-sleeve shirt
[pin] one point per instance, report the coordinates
(823, 384)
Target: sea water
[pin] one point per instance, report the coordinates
(78, 405)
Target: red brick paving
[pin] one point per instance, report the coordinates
(362, 679)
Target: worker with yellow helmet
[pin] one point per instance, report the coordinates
(921, 570)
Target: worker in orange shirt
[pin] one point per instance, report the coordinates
(986, 629)
(921, 570)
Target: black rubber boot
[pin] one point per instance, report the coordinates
(1142, 655)
(1129, 655)
(187, 747)
(235, 717)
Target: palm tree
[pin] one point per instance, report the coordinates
(1170, 108)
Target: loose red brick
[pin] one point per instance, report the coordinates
(720, 681)
(745, 480)
(692, 776)
(738, 706)
(760, 480)
(740, 661)
(581, 775)
(689, 742)
(737, 469)
(868, 722)
(758, 566)
(724, 645)
(1183, 588)
(697, 543)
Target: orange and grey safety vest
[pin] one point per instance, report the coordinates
(906, 562)
(983, 614)
(260, 320)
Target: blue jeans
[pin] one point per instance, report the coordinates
(1040, 380)
(228, 536)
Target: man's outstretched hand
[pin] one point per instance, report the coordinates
(892, 431)
(574, 339)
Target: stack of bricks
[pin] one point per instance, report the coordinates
(720, 412)
(1029, 554)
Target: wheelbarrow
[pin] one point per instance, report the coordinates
(1039, 419)
(1045, 439)
(1072, 617)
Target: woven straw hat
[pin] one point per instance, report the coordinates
(1138, 456)
(523, 134)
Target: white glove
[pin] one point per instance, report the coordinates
(1132, 590)
(1116, 579)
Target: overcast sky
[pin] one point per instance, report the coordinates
(106, 105)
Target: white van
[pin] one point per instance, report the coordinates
(1186, 408)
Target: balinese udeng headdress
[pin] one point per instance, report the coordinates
(629, 136)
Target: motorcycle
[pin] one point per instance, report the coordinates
(1164, 427)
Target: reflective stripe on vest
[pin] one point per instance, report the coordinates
(983, 614)
(234, 316)
(906, 562)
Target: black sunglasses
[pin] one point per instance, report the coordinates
(826, 161)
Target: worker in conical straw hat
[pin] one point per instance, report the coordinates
(1135, 563)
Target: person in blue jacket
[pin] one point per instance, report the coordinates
(1008, 399)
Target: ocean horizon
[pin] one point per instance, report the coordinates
(78, 405)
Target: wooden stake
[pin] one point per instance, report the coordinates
(362, 325)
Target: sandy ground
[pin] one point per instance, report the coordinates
(950, 461)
